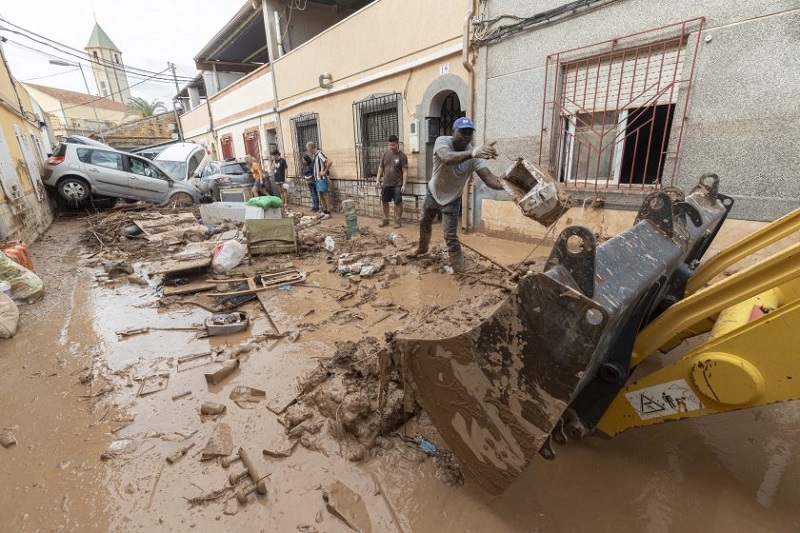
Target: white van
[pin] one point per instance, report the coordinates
(183, 161)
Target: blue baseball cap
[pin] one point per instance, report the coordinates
(463, 123)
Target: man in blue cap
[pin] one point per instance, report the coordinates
(454, 161)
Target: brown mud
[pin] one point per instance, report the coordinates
(70, 385)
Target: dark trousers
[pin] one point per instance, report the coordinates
(312, 188)
(449, 212)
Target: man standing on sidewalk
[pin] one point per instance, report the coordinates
(392, 177)
(454, 161)
(322, 167)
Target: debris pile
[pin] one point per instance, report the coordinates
(361, 398)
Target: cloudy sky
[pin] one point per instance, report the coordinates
(149, 33)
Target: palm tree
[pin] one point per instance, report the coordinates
(140, 107)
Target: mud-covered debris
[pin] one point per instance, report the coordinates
(364, 265)
(346, 505)
(448, 469)
(220, 374)
(245, 397)
(8, 437)
(119, 447)
(212, 408)
(360, 398)
(220, 444)
(281, 454)
(116, 269)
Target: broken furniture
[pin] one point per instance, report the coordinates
(270, 237)
(256, 479)
(235, 194)
(261, 282)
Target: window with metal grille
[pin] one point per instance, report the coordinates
(375, 118)
(610, 107)
(305, 128)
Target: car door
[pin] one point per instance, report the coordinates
(105, 171)
(207, 177)
(147, 181)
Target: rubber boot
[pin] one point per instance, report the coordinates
(457, 261)
(422, 247)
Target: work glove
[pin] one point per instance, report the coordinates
(487, 151)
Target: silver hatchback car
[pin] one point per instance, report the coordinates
(78, 171)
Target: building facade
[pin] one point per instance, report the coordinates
(409, 80)
(24, 142)
(615, 99)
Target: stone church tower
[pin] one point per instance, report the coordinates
(109, 71)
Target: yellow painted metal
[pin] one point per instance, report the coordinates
(772, 232)
(768, 273)
(726, 378)
(739, 314)
(768, 346)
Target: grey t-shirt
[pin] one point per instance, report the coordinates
(447, 181)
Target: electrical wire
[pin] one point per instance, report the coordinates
(483, 35)
(78, 54)
(90, 102)
(70, 50)
(50, 75)
(128, 74)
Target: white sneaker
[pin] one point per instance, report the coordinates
(326, 215)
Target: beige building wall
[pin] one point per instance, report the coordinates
(247, 104)
(393, 58)
(336, 121)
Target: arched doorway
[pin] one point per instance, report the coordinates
(446, 108)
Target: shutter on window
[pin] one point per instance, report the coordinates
(628, 80)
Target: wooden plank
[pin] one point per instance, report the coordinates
(189, 288)
(171, 266)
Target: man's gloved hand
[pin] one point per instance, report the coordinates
(487, 151)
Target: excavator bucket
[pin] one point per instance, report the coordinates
(496, 392)
(500, 392)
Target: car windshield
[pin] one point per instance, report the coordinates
(176, 169)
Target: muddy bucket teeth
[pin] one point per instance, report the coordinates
(496, 392)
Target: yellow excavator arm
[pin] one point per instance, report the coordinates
(749, 357)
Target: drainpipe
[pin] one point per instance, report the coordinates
(465, 60)
(210, 117)
(272, 56)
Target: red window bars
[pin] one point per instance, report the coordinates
(610, 108)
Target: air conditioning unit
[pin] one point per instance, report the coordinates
(413, 136)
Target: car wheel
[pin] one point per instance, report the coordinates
(73, 189)
(181, 199)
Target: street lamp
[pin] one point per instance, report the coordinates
(62, 63)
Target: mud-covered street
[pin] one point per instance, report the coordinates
(97, 407)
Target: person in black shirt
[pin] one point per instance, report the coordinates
(279, 174)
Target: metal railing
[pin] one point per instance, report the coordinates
(374, 120)
(611, 108)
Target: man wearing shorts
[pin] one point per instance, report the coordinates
(279, 174)
(392, 177)
(321, 166)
